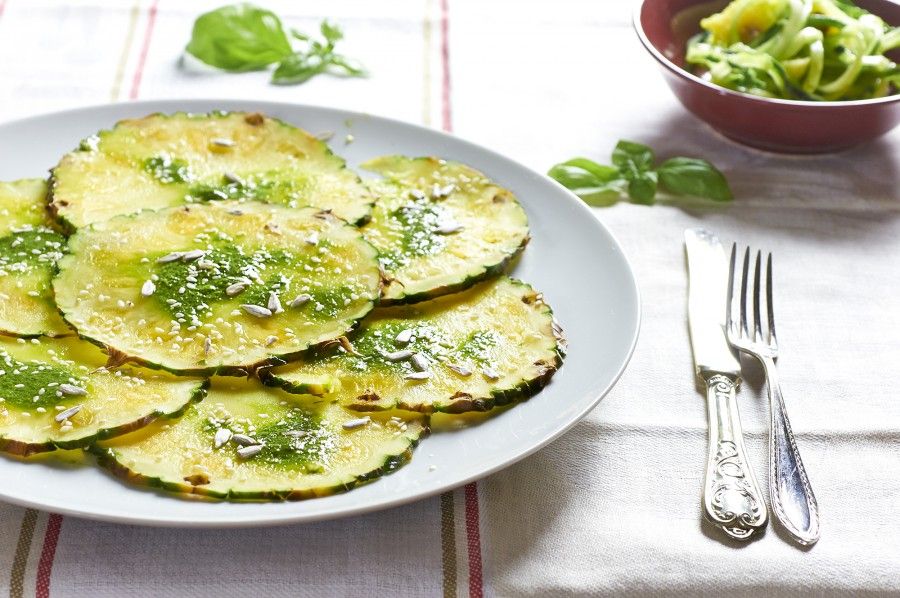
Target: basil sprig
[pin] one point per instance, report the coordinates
(243, 37)
(634, 175)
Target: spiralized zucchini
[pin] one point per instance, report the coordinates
(797, 50)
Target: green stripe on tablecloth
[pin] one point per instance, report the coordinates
(23, 547)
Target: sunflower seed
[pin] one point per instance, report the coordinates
(356, 423)
(223, 435)
(243, 440)
(416, 194)
(448, 228)
(249, 451)
(235, 289)
(404, 337)
(271, 340)
(460, 369)
(347, 345)
(325, 135)
(418, 375)
(207, 346)
(313, 239)
(557, 329)
(300, 300)
(231, 178)
(490, 373)
(171, 257)
(295, 433)
(71, 389)
(206, 265)
(192, 255)
(274, 304)
(398, 355)
(148, 288)
(64, 415)
(222, 142)
(256, 310)
(420, 362)
(236, 212)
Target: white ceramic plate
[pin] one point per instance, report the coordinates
(572, 259)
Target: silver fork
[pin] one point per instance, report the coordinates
(791, 495)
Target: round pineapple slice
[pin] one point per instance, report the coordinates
(56, 393)
(440, 227)
(473, 351)
(221, 287)
(167, 160)
(29, 249)
(246, 442)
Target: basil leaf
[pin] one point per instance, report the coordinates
(238, 38)
(632, 158)
(332, 33)
(594, 190)
(601, 171)
(351, 68)
(642, 188)
(299, 68)
(693, 176)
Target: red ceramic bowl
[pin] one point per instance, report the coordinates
(664, 26)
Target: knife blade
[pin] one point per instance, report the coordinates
(731, 496)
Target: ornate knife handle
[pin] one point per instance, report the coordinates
(731, 497)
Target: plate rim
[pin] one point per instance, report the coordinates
(268, 520)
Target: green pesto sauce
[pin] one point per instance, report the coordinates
(37, 379)
(298, 440)
(309, 451)
(231, 264)
(167, 170)
(414, 225)
(331, 300)
(264, 187)
(372, 343)
(187, 291)
(28, 249)
(478, 345)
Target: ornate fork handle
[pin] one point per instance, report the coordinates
(792, 497)
(731, 497)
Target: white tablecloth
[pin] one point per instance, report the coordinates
(613, 506)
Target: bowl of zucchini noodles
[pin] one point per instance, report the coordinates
(795, 76)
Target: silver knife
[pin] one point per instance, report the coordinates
(731, 496)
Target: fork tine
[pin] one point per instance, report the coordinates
(770, 307)
(757, 312)
(730, 320)
(744, 277)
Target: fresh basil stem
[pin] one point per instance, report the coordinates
(634, 175)
(244, 37)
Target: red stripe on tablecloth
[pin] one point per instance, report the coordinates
(473, 541)
(473, 525)
(142, 59)
(48, 552)
(446, 113)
